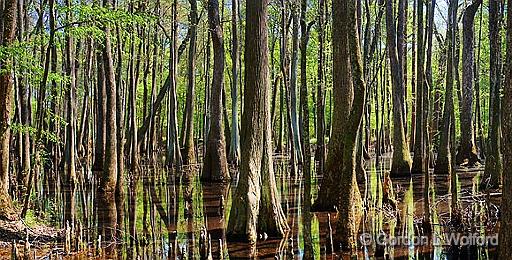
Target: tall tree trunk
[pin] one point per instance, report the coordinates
(25, 174)
(467, 150)
(173, 148)
(256, 139)
(493, 161)
(215, 161)
(505, 236)
(401, 164)
(292, 93)
(401, 41)
(320, 100)
(189, 155)
(304, 93)
(349, 90)
(101, 105)
(234, 153)
(107, 188)
(412, 132)
(6, 92)
(479, 131)
(132, 96)
(70, 178)
(120, 115)
(427, 219)
(420, 164)
(444, 159)
(24, 97)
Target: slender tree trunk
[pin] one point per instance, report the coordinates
(401, 164)
(189, 155)
(493, 162)
(101, 105)
(24, 97)
(427, 219)
(215, 161)
(70, 178)
(234, 153)
(444, 158)
(132, 96)
(292, 93)
(320, 100)
(402, 54)
(121, 140)
(467, 150)
(304, 93)
(106, 194)
(420, 164)
(25, 174)
(173, 149)
(412, 133)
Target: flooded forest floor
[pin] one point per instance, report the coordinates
(167, 218)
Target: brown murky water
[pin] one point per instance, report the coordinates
(172, 220)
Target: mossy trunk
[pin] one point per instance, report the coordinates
(6, 91)
(401, 163)
(348, 65)
(343, 94)
(272, 219)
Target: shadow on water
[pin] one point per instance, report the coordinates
(181, 218)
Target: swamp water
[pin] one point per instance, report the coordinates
(184, 219)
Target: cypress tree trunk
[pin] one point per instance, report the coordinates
(132, 96)
(257, 181)
(419, 164)
(107, 209)
(101, 105)
(401, 41)
(444, 158)
(70, 178)
(493, 162)
(6, 92)
(306, 166)
(320, 100)
(401, 164)
(467, 150)
(292, 93)
(120, 114)
(505, 236)
(349, 95)
(304, 96)
(189, 155)
(173, 148)
(234, 153)
(412, 133)
(25, 109)
(215, 161)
